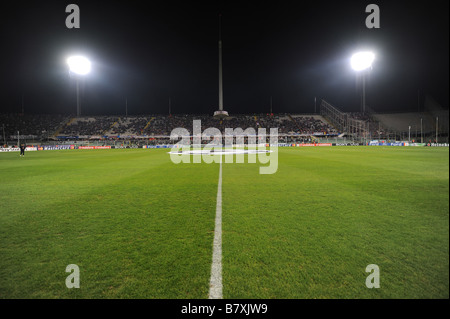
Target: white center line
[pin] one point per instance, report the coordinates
(215, 287)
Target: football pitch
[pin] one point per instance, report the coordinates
(139, 226)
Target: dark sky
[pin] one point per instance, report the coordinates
(148, 51)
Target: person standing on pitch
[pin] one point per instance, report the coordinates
(22, 149)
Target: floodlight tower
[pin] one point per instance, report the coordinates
(362, 62)
(79, 66)
(220, 113)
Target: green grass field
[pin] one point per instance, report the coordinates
(139, 226)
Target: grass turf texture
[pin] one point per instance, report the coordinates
(139, 226)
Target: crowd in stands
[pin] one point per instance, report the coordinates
(311, 125)
(39, 126)
(283, 122)
(136, 125)
(155, 128)
(128, 126)
(97, 125)
(156, 125)
(163, 125)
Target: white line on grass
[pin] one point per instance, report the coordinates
(215, 286)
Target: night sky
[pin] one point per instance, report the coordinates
(148, 51)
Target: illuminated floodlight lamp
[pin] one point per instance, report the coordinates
(362, 60)
(79, 65)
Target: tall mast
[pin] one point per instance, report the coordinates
(220, 113)
(220, 65)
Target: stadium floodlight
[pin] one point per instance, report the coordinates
(79, 65)
(361, 61)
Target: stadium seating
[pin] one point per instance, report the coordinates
(38, 126)
(293, 127)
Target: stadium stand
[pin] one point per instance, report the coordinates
(156, 128)
(413, 126)
(88, 126)
(35, 126)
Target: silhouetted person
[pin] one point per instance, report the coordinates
(22, 150)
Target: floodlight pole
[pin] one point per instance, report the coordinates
(4, 136)
(364, 92)
(78, 99)
(409, 134)
(437, 128)
(421, 131)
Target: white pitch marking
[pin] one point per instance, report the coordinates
(215, 287)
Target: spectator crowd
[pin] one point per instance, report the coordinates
(43, 126)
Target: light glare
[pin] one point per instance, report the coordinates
(362, 60)
(79, 65)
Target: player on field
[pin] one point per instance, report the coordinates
(22, 150)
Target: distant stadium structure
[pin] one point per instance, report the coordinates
(330, 125)
(428, 126)
(155, 128)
